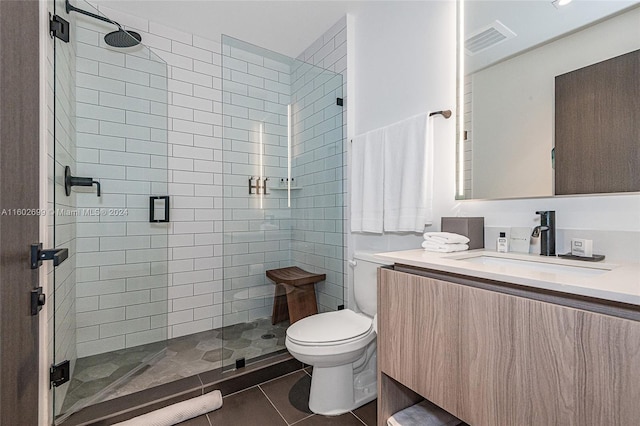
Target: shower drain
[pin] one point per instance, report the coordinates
(268, 336)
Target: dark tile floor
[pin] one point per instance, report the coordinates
(109, 375)
(280, 402)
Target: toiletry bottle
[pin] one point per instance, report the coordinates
(502, 244)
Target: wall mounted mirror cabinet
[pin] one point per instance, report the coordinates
(548, 98)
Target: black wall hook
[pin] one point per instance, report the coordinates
(70, 181)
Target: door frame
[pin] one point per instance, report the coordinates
(19, 189)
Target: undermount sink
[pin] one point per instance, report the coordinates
(537, 265)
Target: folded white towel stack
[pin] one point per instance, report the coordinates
(445, 238)
(423, 414)
(445, 242)
(444, 248)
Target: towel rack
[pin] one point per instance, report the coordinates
(446, 113)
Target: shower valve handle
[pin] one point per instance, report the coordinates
(70, 181)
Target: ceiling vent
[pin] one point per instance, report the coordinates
(487, 37)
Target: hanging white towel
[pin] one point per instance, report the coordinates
(367, 161)
(408, 175)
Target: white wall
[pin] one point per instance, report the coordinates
(404, 64)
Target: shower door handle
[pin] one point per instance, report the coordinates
(153, 217)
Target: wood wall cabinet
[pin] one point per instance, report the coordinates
(495, 359)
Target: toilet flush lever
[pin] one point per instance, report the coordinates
(353, 263)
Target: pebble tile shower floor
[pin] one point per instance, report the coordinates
(104, 376)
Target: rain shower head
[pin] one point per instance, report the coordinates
(119, 38)
(123, 38)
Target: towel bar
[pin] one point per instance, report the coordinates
(445, 113)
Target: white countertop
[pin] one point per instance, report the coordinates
(614, 281)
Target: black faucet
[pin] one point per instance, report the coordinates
(548, 230)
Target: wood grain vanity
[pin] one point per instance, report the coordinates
(495, 353)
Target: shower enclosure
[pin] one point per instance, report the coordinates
(127, 315)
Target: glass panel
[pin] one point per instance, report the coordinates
(110, 314)
(283, 195)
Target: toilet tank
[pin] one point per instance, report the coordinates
(365, 280)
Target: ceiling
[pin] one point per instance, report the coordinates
(287, 27)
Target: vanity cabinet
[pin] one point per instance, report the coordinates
(495, 359)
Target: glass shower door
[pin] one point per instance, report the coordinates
(110, 165)
(283, 188)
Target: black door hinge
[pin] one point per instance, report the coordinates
(58, 255)
(38, 299)
(59, 373)
(59, 28)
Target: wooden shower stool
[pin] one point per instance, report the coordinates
(295, 294)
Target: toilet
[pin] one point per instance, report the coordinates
(341, 346)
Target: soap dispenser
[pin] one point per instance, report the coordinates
(502, 243)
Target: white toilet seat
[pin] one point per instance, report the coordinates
(330, 338)
(330, 329)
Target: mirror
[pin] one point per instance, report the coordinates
(509, 53)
